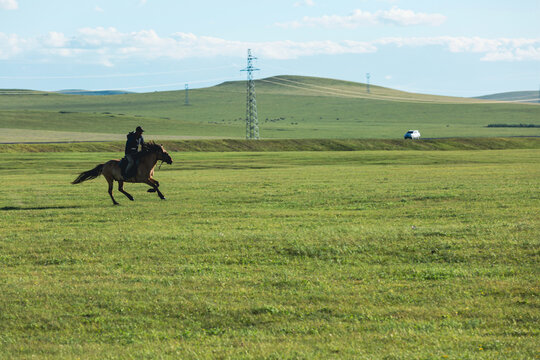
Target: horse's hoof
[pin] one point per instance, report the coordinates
(151, 190)
(132, 199)
(116, 204)
(163, 198)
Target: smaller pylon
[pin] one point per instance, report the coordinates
(367, 82)
(186, 102)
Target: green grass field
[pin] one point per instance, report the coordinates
(289, 107)
(289, 255)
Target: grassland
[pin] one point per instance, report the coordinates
(236, 145)
(291, 255)
(288, 107)
(272, 249)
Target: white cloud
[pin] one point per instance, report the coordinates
(99, 37)
(9, 4)
(402, 17)
(304, 3)
(394, 16)
(54, 39)
(529, 53)
(10, 46)
(108, 46)
(99, 9)
(500, 49)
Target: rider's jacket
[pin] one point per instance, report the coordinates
(132, 143)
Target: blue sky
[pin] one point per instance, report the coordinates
(461, 48)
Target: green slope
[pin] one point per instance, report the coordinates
(288, 107)
(92, 92)
(281, 145)
(517, 96)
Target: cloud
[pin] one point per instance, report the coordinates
(9, 4)
(529, 53)
(394, 16)
(54, 40)
(99, 9)
(109, 46)
(11, 46)
(402, 17)
(304, 3)
(500, 49)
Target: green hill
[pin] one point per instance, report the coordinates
(516, 96)
(93, 92)
(288, 107)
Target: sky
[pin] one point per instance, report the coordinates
(458, 48)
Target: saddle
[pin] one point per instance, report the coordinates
(132, 172)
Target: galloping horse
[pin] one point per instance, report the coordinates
(149, 156)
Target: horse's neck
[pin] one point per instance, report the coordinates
(148, 161)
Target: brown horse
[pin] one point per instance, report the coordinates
(149, 156)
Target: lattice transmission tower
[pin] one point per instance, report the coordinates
(252, 121)
(186, 101)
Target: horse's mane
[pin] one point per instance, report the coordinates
(150, 147)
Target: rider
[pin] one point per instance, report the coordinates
(134, 139)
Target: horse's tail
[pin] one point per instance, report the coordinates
(89, 175)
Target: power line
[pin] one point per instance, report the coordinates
(325, 90)
(106, 76)
(175, 84)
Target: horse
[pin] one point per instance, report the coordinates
(148, 157)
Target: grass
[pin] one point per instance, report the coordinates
(232, 145)
(291, 255)
(289, 107)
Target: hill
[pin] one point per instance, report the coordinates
(290, 107)
(515, 96)
(93, 92)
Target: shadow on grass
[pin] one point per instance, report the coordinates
(13, 208)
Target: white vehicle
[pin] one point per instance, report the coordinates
(412, 134)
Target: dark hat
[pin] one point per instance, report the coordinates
(139, 129)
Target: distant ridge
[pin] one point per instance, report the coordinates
(91, 92)
(289, 107)
(517, 96)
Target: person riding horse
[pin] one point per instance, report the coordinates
(134, 139)
(111, 170)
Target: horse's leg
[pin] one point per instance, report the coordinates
(156, 183)
(111, 181)
(121, 189)
(154, 186)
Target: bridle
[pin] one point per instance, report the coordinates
(162, 160)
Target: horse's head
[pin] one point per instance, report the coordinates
(163, 155)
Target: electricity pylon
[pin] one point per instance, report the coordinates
(252, 122)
